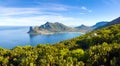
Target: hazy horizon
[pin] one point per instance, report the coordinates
(68, 12)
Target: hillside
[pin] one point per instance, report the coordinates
(109, 34)
(99, 47)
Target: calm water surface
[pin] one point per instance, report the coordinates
(18, 36)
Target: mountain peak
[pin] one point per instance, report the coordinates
(82, 26)
(48, 22)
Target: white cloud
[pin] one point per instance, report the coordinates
(5, 11)
(55, 5)
(35, 20)
(38, 15)
(49, 9)
(86, 9)
(8, 16)
(16, 11)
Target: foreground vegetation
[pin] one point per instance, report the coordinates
(97, 48)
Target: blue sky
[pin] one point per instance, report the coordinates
(68, 12)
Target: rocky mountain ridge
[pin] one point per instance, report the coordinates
(50, 28)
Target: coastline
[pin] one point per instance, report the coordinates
(54, 33)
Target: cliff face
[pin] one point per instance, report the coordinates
(31, 30)
(37, 30)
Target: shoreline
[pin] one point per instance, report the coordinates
(53, 33)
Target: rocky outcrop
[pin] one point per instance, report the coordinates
(36, 30)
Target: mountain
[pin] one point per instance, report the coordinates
(55, 27)
(49, 28)
(97, 48)
(113, 22)
(99, 24)
(83, 28)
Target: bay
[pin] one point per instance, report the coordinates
(11, 36)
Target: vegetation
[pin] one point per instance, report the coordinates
(97, 48)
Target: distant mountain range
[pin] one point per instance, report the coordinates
(49, 28)
(99, 24)
(82, 28)
(115, 21)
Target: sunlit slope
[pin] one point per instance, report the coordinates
(100, 47)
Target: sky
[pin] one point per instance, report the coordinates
(68, 12)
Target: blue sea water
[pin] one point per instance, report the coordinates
(17, 36)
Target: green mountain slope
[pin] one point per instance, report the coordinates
(109, 34)
(97, 48)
